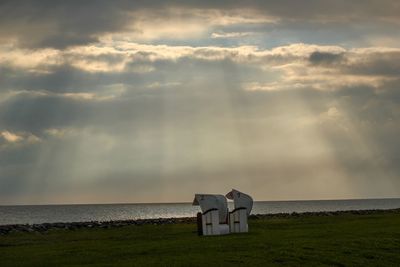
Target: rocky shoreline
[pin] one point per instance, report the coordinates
(44, 227)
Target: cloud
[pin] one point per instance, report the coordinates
(130, 68)
(8, 138)
(165, 135)
(231, 34)
(49, 24)
(289, 96)
(320, 58)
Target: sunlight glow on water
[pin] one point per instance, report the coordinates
(106, 212)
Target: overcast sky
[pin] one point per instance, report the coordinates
(153, 101)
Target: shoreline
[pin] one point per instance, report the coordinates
(44, 227)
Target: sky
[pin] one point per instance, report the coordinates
(154, 101)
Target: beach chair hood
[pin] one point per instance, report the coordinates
(241, 200)
(207, 202)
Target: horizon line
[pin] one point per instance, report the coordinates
(158, 203)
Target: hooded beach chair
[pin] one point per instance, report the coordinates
(214, 216)
(238, 216)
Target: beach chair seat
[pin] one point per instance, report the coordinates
(238, 221)
(211, 224)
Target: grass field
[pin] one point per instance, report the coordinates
(343, 240)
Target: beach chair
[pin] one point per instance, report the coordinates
(214, 217)
(238, 216)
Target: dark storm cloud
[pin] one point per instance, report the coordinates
(62, 79)
(33, 113)
(53, 99)
(321, 58)
(60, 24)
(380, 63)
(365, 63)
(326, 10)
(70, 79)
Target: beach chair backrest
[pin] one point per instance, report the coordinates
(241, 200)
(209, 201)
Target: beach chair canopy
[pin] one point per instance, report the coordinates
(241, 200)
(207, 202)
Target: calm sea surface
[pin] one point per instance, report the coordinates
(105, 212)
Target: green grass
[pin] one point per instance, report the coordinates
(343, 240)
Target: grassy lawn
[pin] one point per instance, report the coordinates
(343, 240)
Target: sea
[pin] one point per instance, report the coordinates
(32, 214)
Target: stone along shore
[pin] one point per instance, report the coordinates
(44, 227)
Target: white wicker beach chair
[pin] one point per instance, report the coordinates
(242, 207)
(214, 214)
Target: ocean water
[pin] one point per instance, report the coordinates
(104, 212)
